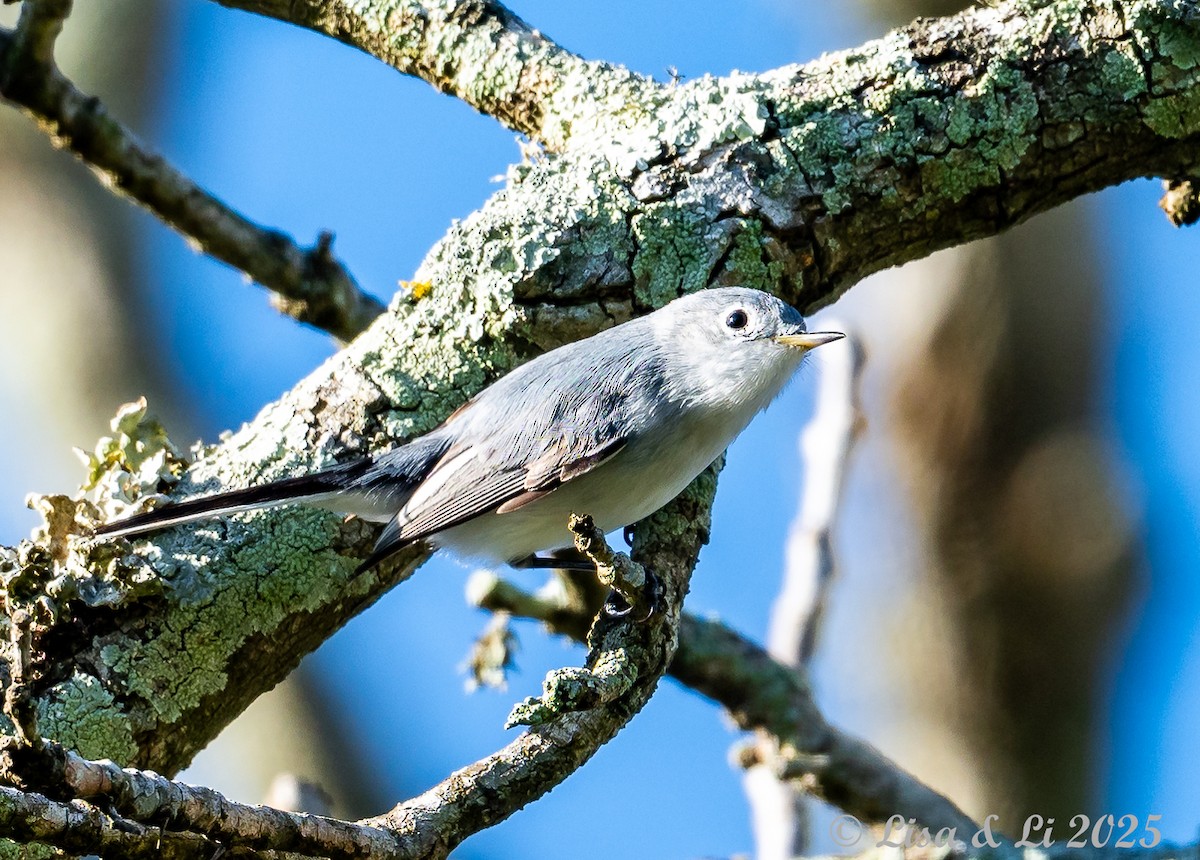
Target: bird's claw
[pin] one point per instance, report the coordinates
(647, 605)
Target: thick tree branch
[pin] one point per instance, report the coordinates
(81, 828)
(961, 127)
(202, 819)
(309, 285)
(945, 131)
(480, 52)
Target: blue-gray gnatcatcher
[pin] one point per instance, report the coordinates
(614, 426)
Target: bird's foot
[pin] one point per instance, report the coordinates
(635, 590)
(646, 603)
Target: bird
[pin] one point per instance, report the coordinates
(614, 425)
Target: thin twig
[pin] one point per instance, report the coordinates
(825, 447)
(37, 30)
(310, 285)
(614, 569)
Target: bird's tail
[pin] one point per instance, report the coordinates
(305, 488)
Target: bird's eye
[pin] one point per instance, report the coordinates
(737, 319)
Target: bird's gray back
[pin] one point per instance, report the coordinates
(579, 397)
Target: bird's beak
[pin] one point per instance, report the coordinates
(808, 339)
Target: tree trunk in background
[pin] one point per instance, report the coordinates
(1003, 629)
(72, 286)
(1028, 557)
(292, 731)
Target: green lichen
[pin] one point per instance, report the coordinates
(1121, 74)
(1179, 42)
(285, 568)
(1174, 108)
(1009, 112)
(747, 260)
(82, 715)
(611, 674)
(1174, 116)
(10, 850)
(674, 253)
(991, 129)
(138, 463)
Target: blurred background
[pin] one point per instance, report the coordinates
(1017, 603)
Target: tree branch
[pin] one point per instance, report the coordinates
(480, 52)
(309, 285)
(81, 828)
(825, 448)
(839, 768)
(158, 805)
(760, 693)
(778, 806)
(487, 792)
(945, 131)
(37, 30)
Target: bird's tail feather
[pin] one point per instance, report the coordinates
(305, 488)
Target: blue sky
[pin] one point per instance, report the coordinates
(300, 133)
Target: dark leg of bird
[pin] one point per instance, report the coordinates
(627, 534)
(559, 559)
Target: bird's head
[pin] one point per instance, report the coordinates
(733, 347)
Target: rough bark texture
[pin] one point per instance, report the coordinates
(799, 181)
(944, 131)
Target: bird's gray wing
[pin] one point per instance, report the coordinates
(466, 483)
(463, 486)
